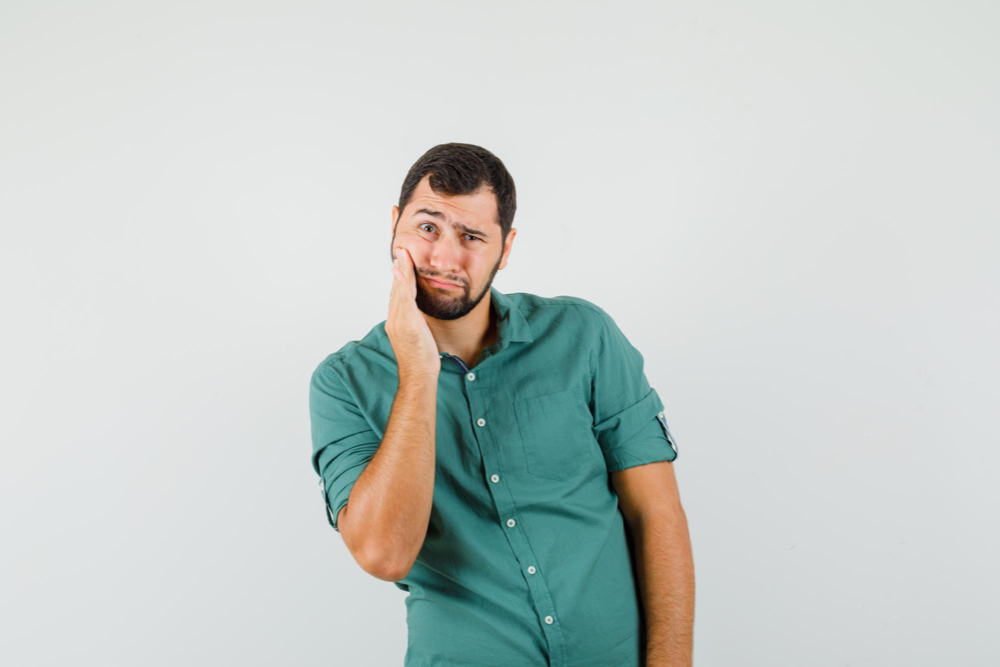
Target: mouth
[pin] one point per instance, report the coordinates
(440, 285)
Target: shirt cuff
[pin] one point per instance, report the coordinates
(636, 435)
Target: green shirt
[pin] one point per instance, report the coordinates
(526, 560)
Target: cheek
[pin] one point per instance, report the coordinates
(416, 250)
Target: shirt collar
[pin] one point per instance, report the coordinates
(511, 324)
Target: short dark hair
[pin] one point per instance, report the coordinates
(461, 169)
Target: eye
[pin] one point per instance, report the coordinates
(475, 238)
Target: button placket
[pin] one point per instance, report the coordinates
(507, 509)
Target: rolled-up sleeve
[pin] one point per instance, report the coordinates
(343, 441)
(629, 417)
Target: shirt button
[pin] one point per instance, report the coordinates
(494, 478)
(481, 421)
(511, 522)
(549, 619)
(531, 569)
(470, 377)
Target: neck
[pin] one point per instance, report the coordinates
(467, 336)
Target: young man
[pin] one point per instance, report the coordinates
(502, 457)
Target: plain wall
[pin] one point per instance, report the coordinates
(789, 208)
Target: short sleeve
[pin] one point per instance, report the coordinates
(629, 418)
(343, 441)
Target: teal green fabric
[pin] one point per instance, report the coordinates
(526, 560)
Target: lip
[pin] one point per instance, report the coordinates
(436, 283)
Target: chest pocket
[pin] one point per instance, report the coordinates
(555, 432)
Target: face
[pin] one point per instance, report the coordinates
(451, 239)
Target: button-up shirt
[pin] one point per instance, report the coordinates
(526, 560)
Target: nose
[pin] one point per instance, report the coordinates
(444, 256)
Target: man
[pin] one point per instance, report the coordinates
(502, 457)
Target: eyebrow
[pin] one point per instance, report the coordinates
(455, 225)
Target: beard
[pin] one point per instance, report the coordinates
(450, 304)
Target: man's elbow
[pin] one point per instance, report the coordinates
(384, 568)
(392, 575)
(372, 560)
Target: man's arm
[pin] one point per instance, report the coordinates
(390, 504)
(381, 487)
(650, 502)
(631, 428)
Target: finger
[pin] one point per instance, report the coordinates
(406, 266)
(398, 281)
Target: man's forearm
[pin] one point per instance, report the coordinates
(666, 578)
(387, 516)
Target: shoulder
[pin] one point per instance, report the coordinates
(373, 344)
(562, 307)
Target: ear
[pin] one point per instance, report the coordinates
(508, 244)
(395, 217)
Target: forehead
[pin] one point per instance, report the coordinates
(478, 208)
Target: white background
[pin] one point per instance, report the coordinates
(790, 209)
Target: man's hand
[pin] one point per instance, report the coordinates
(412, 341)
